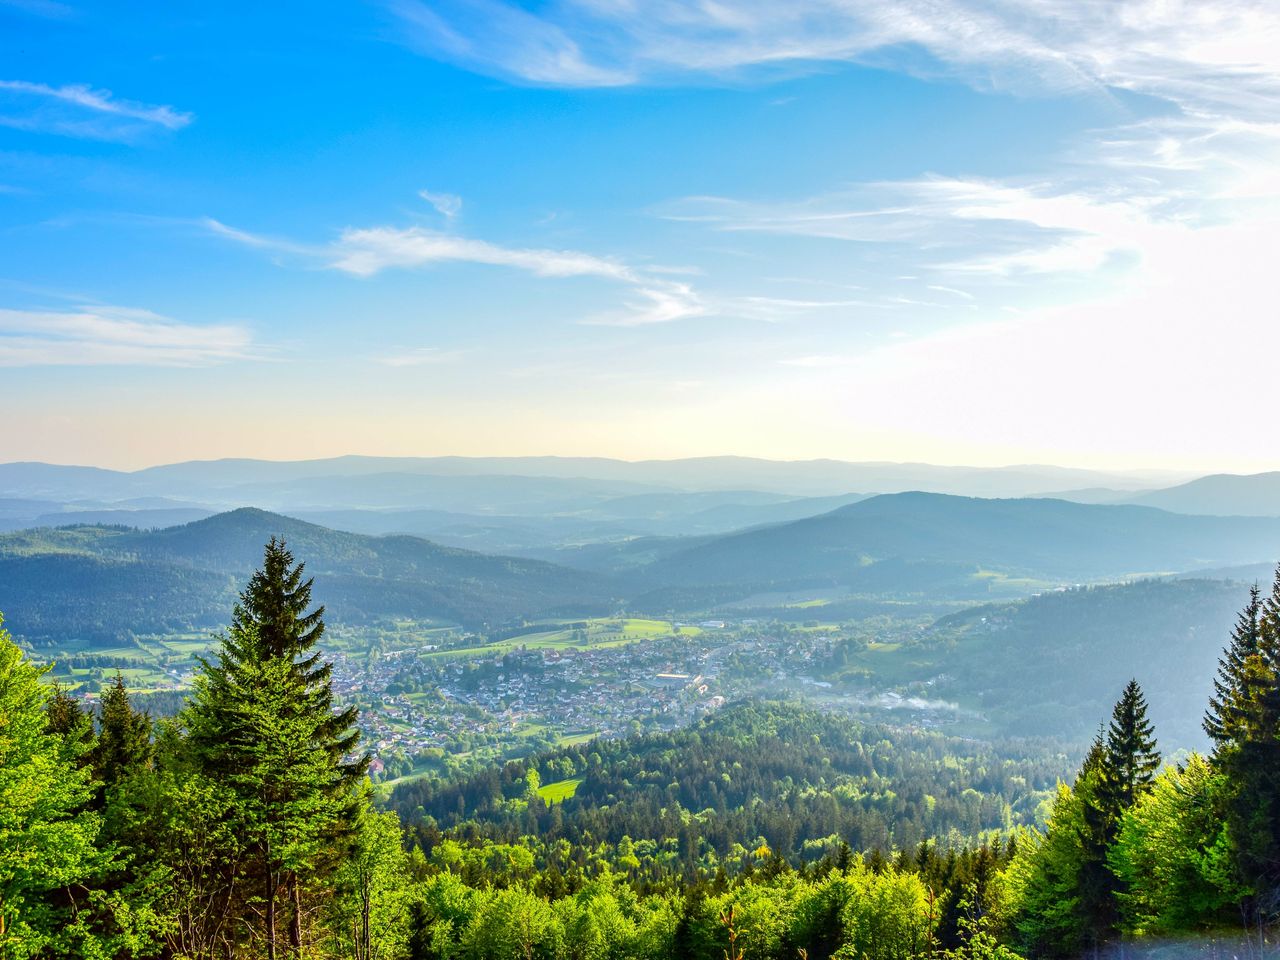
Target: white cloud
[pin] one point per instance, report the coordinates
(952, 225)
(368, 251)
(77, 110)
(543, 51)
(448, 205)
(1206, 52)
(103, 335)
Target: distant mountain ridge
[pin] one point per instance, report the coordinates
(1052, 539)
(1223, 494)
(907, 545)
(108, 581)
(514, 505)
(794, 478)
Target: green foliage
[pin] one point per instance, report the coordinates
(1173, 854)
(1131, 755)
(104, 582)
(124, 742)
(1244, 720)
(1062, 888)
(48, 837)
(246, 827)
(261, 722)
(887, 916)
(800, 779)
(370, 908)
(1043, 881)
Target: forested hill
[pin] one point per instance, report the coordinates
(798, 778)
(1052, 539)
(80, 582)
(1076, 648)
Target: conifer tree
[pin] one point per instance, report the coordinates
(124, 740)
(1225, 718)
(70, 721)
(262, 721)
(65, 715)
(1132, 758)
(273, 611)
(1248, 752)
(1094, 883)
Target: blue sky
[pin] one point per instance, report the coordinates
(954, 231)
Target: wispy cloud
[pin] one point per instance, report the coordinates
(1194, 52)
(77, 110)
(511, 40)
(951, 225)
(105, 335)
(448, 205)
(368, 251)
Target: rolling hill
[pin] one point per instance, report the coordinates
(1224, 494)
(1048, 539)
(1077, 648)
(107, 581)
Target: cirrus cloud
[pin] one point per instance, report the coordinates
(115, 336)
(368, 251)
(77, 110)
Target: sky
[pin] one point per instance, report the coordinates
(954, 231)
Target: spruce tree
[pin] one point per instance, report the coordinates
(1094, 885)
(1225, 718)
(1248, 755)
(273, 612)
(65, 718)
(124, 738)
(262, 721)
(1132, 758)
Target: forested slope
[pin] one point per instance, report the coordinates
(84, 582)
(798, 778)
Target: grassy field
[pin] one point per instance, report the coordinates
(598, 634)
(559, 791)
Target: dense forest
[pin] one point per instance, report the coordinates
(246, 826)
(799, 780)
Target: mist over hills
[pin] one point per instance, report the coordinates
(802, 478)
(537, 505)
(1256, 495)
(529, 506)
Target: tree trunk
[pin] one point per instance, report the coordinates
(271, 914)
(366, 945)
(295, 921)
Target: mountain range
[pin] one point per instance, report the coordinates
(527, 505)
(102, 580)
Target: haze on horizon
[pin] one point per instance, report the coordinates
(961, 232)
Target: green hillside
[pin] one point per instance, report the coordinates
(790, 775)
(79, 582)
